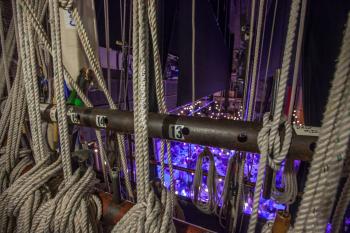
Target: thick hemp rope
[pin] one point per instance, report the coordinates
(250, 45)
(332, 145)
(343, 203)
(149, 214)
(211, 205)
(95, 65)
(268, 138)
(258, 39)
(290, 185)
(18, 198)
(42, 36)
(8, 46)
(236, 204)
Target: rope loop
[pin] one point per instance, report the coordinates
(270, 143)
(66, 4)
(212, 203)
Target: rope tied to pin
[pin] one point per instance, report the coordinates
(269, 142)
(272, 151)
(151, 213)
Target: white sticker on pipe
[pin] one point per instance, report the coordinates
(101, 121)
(175, 132)
(304, 130)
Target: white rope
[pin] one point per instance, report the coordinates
(269, 55)
(290, 185)
(4, 54)
(21, 199)
(250, 45)
(94, 62)
(268, 138)
(211, 205)
(237, 206)
(21, 193)
(330, 153)
(8, 48)
(42, 36)
(255, 60)
(152, 16)
(149, 214)
(343, 203)
(297, 58)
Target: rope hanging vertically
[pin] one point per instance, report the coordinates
(252, 90)
(247, 66)
(331, 150)
(211, 205)
(149, 214)
(272, 150)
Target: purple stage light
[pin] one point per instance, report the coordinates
(185, 155)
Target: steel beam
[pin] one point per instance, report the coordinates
(223, 133)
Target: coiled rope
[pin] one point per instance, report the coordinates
(229, 179)
(211, 205)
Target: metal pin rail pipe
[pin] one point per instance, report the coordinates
(223, 133)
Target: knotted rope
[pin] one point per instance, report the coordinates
(272, 150)
(149, 214)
